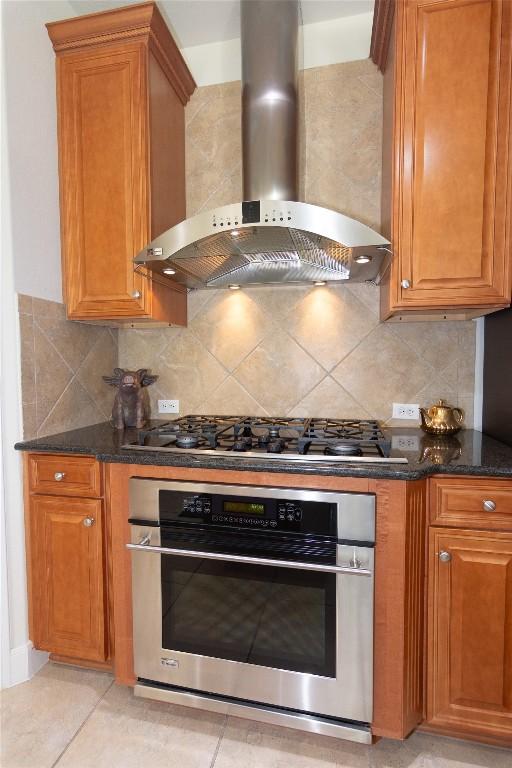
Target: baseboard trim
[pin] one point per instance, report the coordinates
(25, 662)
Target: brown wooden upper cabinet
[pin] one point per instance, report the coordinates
(122, 87)
(447, 186)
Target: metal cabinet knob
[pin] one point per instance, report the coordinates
(405, 284)
(445, 557)
(59, 476)
(88, 521)
(136, 294)
(489, 505)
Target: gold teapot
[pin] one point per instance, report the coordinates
(441, 419)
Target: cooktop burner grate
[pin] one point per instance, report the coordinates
(308, 439)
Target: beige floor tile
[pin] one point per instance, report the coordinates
(127, 732)
(249, 744)
(388, 753)
(40, 717)
(454, 753)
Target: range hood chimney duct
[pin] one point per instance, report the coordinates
(269, 32)
(269, 237)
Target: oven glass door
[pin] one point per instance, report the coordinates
(268, 616)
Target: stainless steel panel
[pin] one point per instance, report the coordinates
(269, 36)
(296, 720)
(349, 695)
(144, 546)
(292, 242)
(356, 511)
(293, 457)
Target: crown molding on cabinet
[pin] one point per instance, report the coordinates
(381, 32)
(143, 22)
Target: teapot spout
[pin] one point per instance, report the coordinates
(426, 420)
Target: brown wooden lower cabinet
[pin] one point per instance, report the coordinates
(469, 688)
(468, 685)
(68, 586)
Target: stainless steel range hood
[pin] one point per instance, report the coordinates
(269, 238)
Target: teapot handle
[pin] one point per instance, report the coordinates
(459, 415)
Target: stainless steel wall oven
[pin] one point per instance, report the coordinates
(255, 601)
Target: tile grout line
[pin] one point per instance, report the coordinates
(219, 742)
(81, 726)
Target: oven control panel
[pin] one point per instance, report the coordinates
(248, 512)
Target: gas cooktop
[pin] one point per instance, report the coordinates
(311, 439)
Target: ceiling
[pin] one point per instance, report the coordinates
(195, 22)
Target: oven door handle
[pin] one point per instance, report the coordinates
(143, 547)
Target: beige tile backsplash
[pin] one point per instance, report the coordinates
(300, 350)
(61, 367)
(292, 350)
(303, 351)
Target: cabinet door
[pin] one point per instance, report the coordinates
(67, 574)
(470, 632)
(452, 154)
(102, 97)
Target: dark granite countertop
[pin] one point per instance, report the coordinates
(469, 453)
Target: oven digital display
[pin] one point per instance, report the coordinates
(243, 508)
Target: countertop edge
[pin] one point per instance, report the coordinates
(377, 472)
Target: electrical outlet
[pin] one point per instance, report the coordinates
(405, 443)
(168, 406)
(410, 411)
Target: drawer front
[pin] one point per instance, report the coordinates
(472, 502)
(64, 475)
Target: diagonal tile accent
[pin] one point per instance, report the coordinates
(141, 349)
(277, 301)
(378, 369)
(101, 360)
(73, 341)
(52, 375)
(74, 407)
(437, 343)
(231, 394)
(330, 400)
(328, 323)
(28, 382)
(278, 373)
(62, 364)
(231, 326)
(188, 372)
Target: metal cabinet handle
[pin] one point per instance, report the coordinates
(489, 505)
(136, 294)
(252, 560)
(405, 284)
(445, 557)
(59, 476)
(88, 521)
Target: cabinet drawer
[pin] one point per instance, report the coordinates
(64, 475)
(472, 502)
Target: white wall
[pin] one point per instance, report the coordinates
(30, 264)
(31, 126)
(323, 43)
